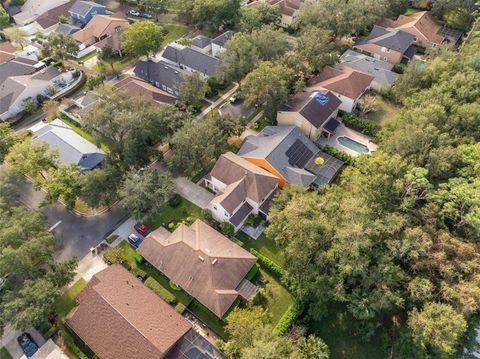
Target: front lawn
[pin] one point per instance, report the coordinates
(264, 245)
(168, 214)
(118, 63)
(4, 354)
(175, 31)
(88, 56)
(411, 11)
(80, 131)
(65, 303)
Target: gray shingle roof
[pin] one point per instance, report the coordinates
(161, 72)
(393, 39)
(47, 74)
(16, 67)
(72, 147)
(201, 41)
(194, 59)
(272, 145)
(67, 29)
(9, 92)
(82, 7)
(222, 39)
(379, 69)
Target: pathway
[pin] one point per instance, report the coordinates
(218, 102)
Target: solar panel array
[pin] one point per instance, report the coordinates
(298, 154)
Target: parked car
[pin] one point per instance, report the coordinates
(142, 229)
(134, 12)
(135, 239)
(146, 15)
(236, 97)
(28, 345)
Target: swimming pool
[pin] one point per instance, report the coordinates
(353, 145)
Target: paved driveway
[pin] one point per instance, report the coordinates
(237, 111)
(193, 192)
(9, 341)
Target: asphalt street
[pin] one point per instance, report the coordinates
(74, 234)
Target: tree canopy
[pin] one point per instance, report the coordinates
(142, 38)
(59, 46)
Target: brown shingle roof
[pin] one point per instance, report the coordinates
(344, 81)
(99, 26)
(50, 18)
(243, 179)
(202, 261)
(118, 317)
(137, 87)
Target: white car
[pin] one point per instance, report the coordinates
(134, 12)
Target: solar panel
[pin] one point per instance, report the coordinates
(298, 154)
(321, 98)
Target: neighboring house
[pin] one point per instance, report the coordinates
(67, 29)
(72, 147)
(387, 44)
(382, 72)
(100, 31)
(137, 87)
(314, 113)
(241, 189)
(118, 317)
(345, 83)
(161, 74)
(288, 154)
(14, 90)
(32, 9)
(202, 43)
(428, 33)
(29, 52)
(83, 11)
(189, 59)
(288, 9)
(206, 264)
(49, 350)
(218, 43)
(47, 22)
(7, 52)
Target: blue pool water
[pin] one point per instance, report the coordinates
(352, 144)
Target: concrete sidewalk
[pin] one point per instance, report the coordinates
(218, 102)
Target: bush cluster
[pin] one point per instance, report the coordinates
(180, 308)
(268, 264)
(360, 124)
(252, 272)
(137, 272)
(114, 255)
(345, 157)
(288, 319)
(160, 291)
(175, 200)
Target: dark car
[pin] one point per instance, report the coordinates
(142, 229)
(135, 239)
(27, 344)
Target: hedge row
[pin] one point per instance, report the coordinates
(47, 329)
(360, 124)
(252, 272)
(345, 157)
(137, 272)
(268, 264)
(180, 308)
(160, 291)
(288, 319)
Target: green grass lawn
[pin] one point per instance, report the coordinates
(175, 31)
(87, 57)
(86, 135)
(411, 11)
(4, 354)
(265, 246)
(118, 64)
(278, 299)
(65, 303)
(336, 329)
(166, 214)
(210, 319)
(386, 111)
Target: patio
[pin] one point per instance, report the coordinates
(343, 132)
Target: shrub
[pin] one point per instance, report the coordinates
(360, 124)
(227, 228)
(268, 264)
(180, 308)
(175, 200)
(29, 106)
(112, 238)
(238, 241)
(137, 272)
(252, 272)
(76, 74)
(114, 255)
(174, 286)
(345, 157)
(288, 319)
(253, 220)
(41, 99)
(47, 329)
(127, 266)
(399, 68)
(160, 291)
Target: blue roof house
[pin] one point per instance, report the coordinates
(82, 11)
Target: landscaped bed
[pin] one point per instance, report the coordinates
(4, 354)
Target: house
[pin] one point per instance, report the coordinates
(161, 74)
(218, 43)
(72, 147)
(32, 9)
(190, 59)
(241, 189)
(118, 317)
(288, 154)
(202, 43)
(49, 350)
(345, 83)
(14, 90)
(428, 33)
(387, 44)
(382, 72)
(83, 11)
(101, 30)
(206, 264)
(289, 10)
(138, 87)
(313, 112)
(7, 52)
(48, 21)
(67, 29)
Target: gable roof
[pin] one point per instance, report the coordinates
(16, 67)
(137, 87)
(422, 21)
(7, 52)
(99, 26)
(72, 147)
(243, 180)
(287, 7)
(286, 149)
(344, 81)
(206, 264)
(158, 71)
(50, 17)
(389, 38)
(67, 29)
(222, 39)
(316, 107)
(192, 58)
(82, 7)
(32, 9)
(379, 69)
(201, 41)
(127, 318)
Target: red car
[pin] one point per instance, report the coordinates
(142, 229)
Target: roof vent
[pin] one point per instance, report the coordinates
(207, 250)
(201, 258)
(214, 261)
